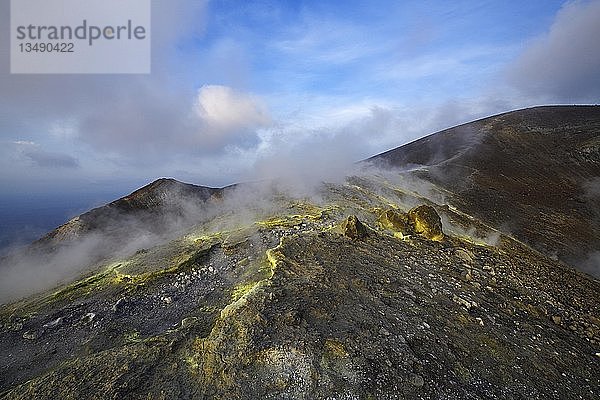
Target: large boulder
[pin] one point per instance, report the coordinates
(354, 229)
(397, 222)
(426, 222)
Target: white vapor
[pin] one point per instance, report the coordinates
(225, 110)
(563, 64)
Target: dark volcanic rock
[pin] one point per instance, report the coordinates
(426, 222)
(151, 207)
(287, 307)
(376, 318)
(354, 229)
(529, 173)
(396, 221)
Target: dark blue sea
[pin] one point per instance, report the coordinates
(25, 218)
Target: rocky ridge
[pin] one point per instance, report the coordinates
(532, 173)
(315, 301)
(394, 284)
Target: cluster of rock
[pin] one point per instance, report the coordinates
(422, 220)
(308, 306)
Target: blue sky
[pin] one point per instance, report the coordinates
(393, 50)
(251, 89)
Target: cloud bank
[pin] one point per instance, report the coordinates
(563, 64)
(243, 91)
(46, 159)
(159, 124)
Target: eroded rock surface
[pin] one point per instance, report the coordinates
(304, 302)
(426, 222)
(293, 309)
(529, 173)
(354, 229)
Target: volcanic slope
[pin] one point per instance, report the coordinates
(151, 207)
(373, 288)
(532, 173)
(151, 215)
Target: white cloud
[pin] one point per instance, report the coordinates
(33, 153)
(327, 42)
(326, 145)
(225, 110)
(456, 63)
(64, 129)
(151, 124)
(564, 64)
(126, 117)
(332, 83)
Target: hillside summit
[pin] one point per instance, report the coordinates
(436, 276)
(532, 173)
